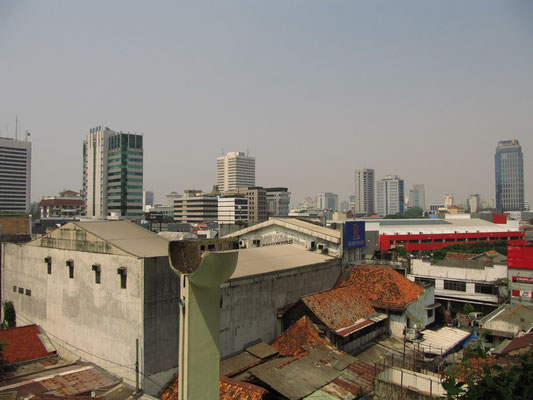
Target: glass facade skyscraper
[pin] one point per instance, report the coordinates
(509, 167)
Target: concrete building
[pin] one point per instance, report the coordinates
(475, 280)
(195, 207)
(430, 234)
(96, 287)
(173, 196)
(474, 203)
(417, 197)
(390, 195)
(68, 204)
(448, 200)
(234, 170)
(257, 203)
(148, 199)
(328, 201)
(509, 168)
(506, 322)
(232, 209)
(365, 198)
(15, 174)
(278, 201)
(112, 174)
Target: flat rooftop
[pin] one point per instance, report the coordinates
(264, 260)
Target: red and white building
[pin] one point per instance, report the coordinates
(520, 273)
(67, 204)
(432, 234)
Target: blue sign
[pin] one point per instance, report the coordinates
(354, 234)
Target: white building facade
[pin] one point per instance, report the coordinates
(232, 209)
(235, 169)
(365, 197)
(15, 175)
(390, 195)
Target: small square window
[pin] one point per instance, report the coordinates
(15, 289)
(28, 292)
(70, 265)
(123, 277)
(97, 273)
(48, 261)
(21, 290)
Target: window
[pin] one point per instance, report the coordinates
(461, 239)
(97, 273)
(430, 313)
(28, 292)
(424, 281)
(123, 276)
(483, 238)
(438, 240)
(48, 261)
(450, 240)
(414, 241)
(15, 289)
(455, 285)
(70, 265)
(486, 289)
(21, 290)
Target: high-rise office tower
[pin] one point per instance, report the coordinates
(364, 191)
(15, 174)
(390, 195)
(235, 170)
(417, 197)
(113, 173)
(509, 166)
(328, 201)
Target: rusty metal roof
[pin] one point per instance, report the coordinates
(339, 308)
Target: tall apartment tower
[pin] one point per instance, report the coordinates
(113, 173)
(417, 197)
(15, 173)
(328, 201)
(235, 170)
(509, 167)
(365, 200)
(390, 195)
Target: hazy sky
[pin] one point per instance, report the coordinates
(313, 89)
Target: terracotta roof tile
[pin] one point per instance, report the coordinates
(300, 333)
(23, 344)
(61, 202)
(339, 308)
(383, 286)
(230, 389)
(459, 256)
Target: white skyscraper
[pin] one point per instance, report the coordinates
(235, 170)
(364, 191)
(15, 173)
(417, 197)
(113, 173)
(390, 195)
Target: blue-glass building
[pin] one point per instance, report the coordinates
(509, 166)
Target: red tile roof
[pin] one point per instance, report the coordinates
(61, 202)
(459, 256)
(23, 344)
(383, 286)
(518, 343)
(339, 308)
(300, 333)
(230, 389)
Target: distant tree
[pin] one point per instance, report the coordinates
(10, 317)
(531, 221)
(468, 308)
(400, 251)
(475, 248)
(415, 212)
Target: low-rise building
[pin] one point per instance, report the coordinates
(506, 322)
(477, 279)
(520, 273)
(67, 204)
(232, 209)
(193, 207)
(406, 303)
(257, 203)
(278, 201)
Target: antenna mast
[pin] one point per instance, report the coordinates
(16, 127)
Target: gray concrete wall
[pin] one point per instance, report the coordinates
(161, 316)
(250, 306)
(97, 322)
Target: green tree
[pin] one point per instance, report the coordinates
(415, 212)
(10, 317)
(468, 308)
(469, 382)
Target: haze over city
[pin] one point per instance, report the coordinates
(313, 90)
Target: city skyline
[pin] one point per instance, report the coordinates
(424, 91)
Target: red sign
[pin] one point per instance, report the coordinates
(499, 218)
(520, 257)
(523, 279)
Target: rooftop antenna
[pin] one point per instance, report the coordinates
(247, 152)
(222, 150)
(16, 127)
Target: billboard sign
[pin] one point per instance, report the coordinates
(523, 279)
(354, 234)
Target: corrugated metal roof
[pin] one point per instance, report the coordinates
(238, 363)
(442, 340)
(262, 260)
(261, 350)
(127, 236)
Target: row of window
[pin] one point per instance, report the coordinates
(21, 290)
(460, 286)
(453, 240)
(96, 268)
